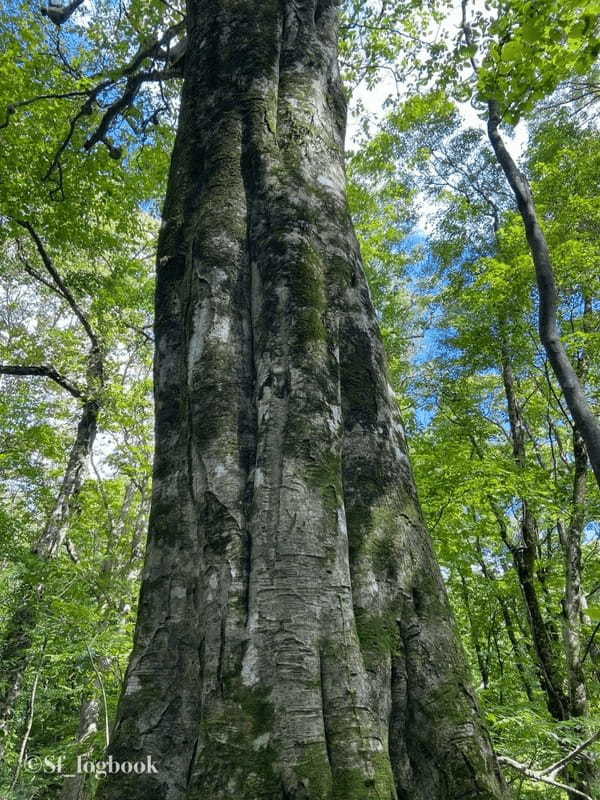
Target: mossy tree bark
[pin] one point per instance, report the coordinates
(294, 639)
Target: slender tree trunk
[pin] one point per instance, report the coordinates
(76, 786)
(517, 646)
(18, 634)
(55, 529)
(14, 657)
(586, 422)
(294, 639)
(73, 787)
(573, 601)
(582, 773)
(482, 660)
(549, 673)
(560, 706)
(524, 556)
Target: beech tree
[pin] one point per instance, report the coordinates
(294, 639)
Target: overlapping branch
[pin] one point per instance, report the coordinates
(125, 101)
(160, 48)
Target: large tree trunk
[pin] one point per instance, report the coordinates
(294, 639)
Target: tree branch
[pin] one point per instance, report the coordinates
(60, 284)
(154, 49)
(590, 643)
(43, 370)
(134, 83)
(537, 776)
(548, 774)
(555, 768)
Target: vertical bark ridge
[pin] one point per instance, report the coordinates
(192, 609)
(302, 638)
(417, 671)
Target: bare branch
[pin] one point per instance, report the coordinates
(120, 105)
(84, 111)
(548, 774)
(537, 776)
(154, 48)
(35, 274)
(555, 768)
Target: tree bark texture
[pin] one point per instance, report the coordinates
(74, 786)
(294, 639)
(56, 527)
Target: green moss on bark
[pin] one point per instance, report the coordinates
(314, 773)
(378, 635)
(324, 474)
(355, 784)
(237, 757)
